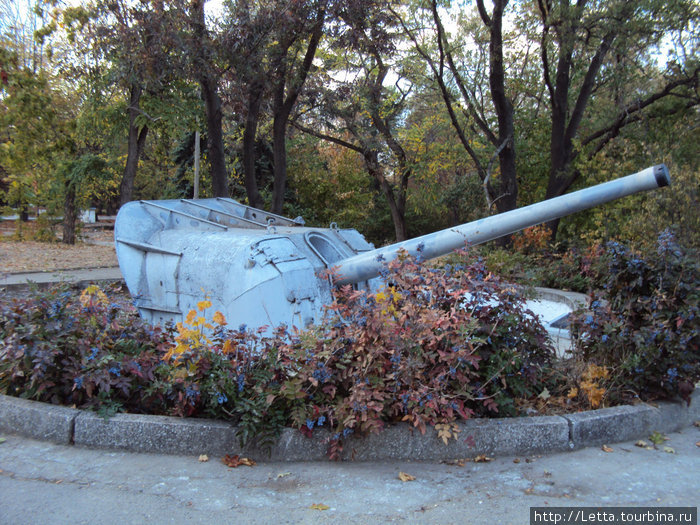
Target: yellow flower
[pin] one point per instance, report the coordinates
(203, 305)
(93, 296)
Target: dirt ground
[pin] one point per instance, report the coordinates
(32, 256)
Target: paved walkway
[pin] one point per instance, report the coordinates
(69, 276)
(46, 483)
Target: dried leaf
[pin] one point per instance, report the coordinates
(669, 450)
(406, 477)
(697, 423)
(283, 475)
(641, 443)
(447, 431)
(237, 461)
(203, 458)
(545, 394)
(482, 458)
(319, 506)
(697, 444)
(606, 448)
(516, 460)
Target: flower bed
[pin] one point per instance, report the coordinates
(421, 350)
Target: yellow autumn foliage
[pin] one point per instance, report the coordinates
(590, 386)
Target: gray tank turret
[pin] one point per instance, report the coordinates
(261, 269)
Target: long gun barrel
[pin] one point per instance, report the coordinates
(368, 264)
(260, 269)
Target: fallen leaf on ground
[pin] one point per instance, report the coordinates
(283, 474)
(697, 423)
(606, 448)
(319, 506)
(516, 460)
(545, 394)
(2, 440)
(237, 461)
(669, 450)
(203, 458)
(641, 443)
(482, 458)
(530, 490)
(697, 444)
(406, 477)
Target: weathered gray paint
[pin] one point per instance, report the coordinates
(262, 269)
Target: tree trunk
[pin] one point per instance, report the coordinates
(561, 178)
(215, 138)
(283, 108)
(507, 195)
(69, 214)
(208, 80)
(397, 209)
(279, 158)
(251, 127)
(137, 141)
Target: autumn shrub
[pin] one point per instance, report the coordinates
(534, 239)
(645, 324)
(580, 269)
(82, 351)
(433, 346)
(228, 374)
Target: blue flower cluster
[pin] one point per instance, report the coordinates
(318, 422)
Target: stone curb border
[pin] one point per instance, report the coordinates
(494, 437)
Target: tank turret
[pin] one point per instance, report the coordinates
(261, 269)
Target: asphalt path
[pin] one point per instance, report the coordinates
(43, 483)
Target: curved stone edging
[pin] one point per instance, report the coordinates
(493, 437)
(573, 300)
